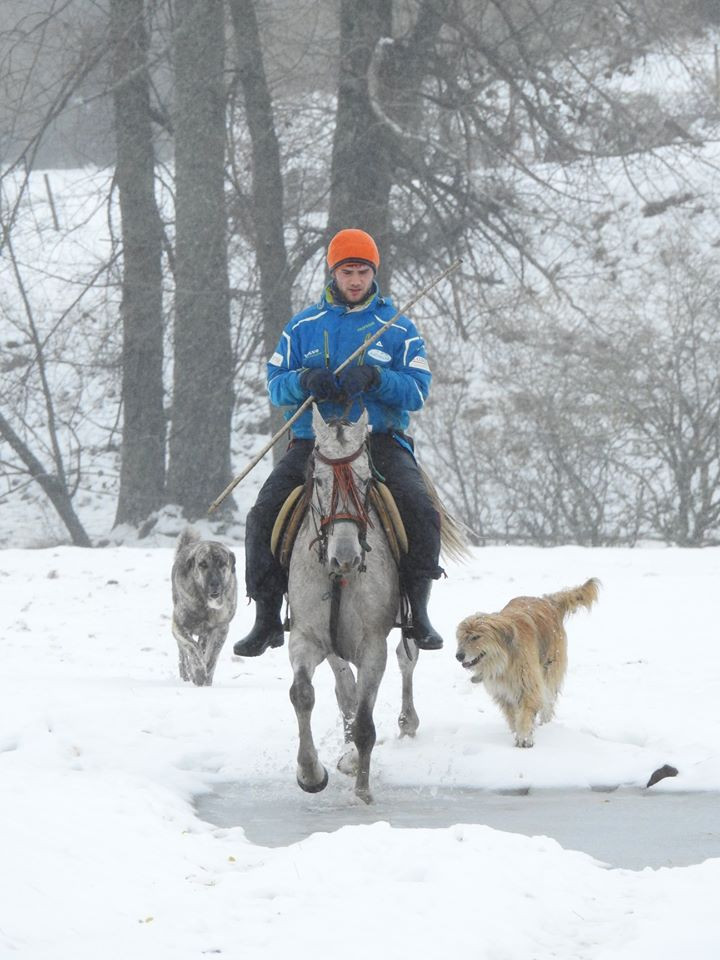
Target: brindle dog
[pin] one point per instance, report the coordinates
(204, 591)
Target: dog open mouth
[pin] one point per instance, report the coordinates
(469, 664)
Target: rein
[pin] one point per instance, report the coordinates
(345, 492)
(348, 504)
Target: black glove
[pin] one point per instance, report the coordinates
(356, 380)
(321, 383)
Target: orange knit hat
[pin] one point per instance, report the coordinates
(350, 246)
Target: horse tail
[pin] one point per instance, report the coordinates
(453, 542)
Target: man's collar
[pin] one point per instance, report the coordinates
(335, 298)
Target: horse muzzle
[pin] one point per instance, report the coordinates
(340, 565)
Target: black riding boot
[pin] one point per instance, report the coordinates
(268, 628)
(424, 634)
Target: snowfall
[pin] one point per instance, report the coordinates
(104, 751)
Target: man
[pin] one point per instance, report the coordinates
(390, 379)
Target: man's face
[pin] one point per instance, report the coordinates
(354, 281)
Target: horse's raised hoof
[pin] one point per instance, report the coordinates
(315, 787)
(408, 725)
(348, 762)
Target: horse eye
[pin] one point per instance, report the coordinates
(318, 481)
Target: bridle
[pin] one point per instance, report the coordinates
(347, 502)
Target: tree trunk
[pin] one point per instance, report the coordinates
(199, 465)
(54, 487)
(142, 469)
(378, 110)
(361, 174)
(267, 186)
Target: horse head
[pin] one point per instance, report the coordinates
(341, 476)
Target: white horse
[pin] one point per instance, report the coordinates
(344, 601)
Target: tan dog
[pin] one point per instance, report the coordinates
(520, 654)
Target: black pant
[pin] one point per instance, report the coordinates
(263, 574)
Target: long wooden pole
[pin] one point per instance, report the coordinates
(306, 403)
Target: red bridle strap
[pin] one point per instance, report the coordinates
(344, 490)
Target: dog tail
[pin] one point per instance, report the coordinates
(186, 538)
(568, 601)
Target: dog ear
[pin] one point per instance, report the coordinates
(507, 633)
(190, 563)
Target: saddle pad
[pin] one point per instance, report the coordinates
(286, 518)
(390, 519)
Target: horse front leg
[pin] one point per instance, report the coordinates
(311, 774)
(369, 677)
(407, 657)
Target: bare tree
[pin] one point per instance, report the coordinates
(664, 376)
(142, 465)
(199, 464)
(57, 482)
(267, 190)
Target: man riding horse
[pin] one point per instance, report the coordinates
(391, 379)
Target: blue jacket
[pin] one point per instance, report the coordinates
(324, 335)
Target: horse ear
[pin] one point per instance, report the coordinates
(317, 420)
(363, 420)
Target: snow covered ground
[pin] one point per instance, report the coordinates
(103, 748)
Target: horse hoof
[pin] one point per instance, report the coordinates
(408, 725)
(315, 787)
(348, 762)
(364, 795)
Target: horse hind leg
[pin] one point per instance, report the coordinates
(311, 774)
(407, 657)
(346, 694)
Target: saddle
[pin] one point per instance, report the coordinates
(292, 512)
